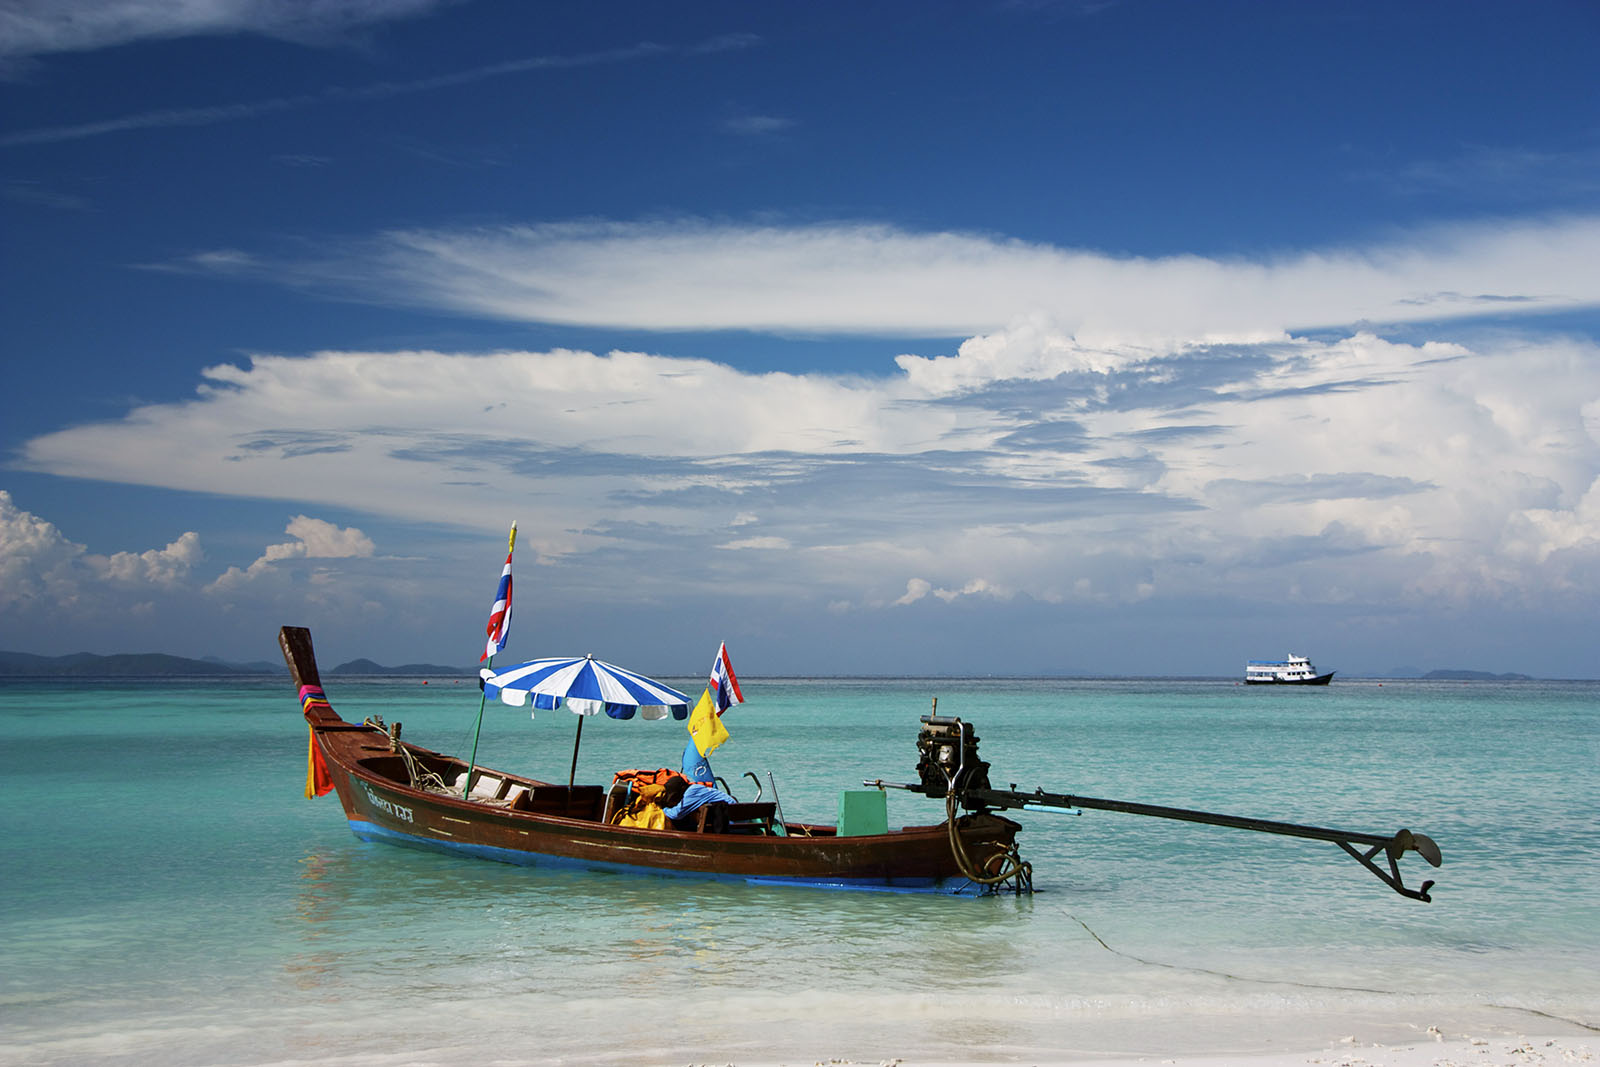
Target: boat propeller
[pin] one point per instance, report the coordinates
(1421, 844)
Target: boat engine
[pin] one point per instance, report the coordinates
(947, 759)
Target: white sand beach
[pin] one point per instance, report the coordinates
(1459, 1052)
(1434, 1050)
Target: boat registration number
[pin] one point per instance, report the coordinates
(393, 809)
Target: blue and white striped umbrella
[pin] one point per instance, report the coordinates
(587, 686)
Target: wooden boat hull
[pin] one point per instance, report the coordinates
(553, 826)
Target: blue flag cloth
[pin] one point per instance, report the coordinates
(696, 767)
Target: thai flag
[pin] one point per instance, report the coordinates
(500, 614)
(724, 684)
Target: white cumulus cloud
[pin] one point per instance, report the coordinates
(165, 566)
(1452, 470)
(40, 568)
(313, 539)
(36, 561)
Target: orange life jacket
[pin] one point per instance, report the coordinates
(634, 779)
(640, 807)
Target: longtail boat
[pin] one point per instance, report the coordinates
(397, 792)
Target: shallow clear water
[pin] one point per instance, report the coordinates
(172, 898)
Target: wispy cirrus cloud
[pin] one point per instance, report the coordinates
(31, 28)
(36, 194)
(1511, 173)
(148, 120)
(748, 125)
(211, 114)
(876, 279)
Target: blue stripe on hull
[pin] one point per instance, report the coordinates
(369, 831)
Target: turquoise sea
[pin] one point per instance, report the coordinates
(171, 897)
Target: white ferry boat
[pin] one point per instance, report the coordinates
(1296, 670)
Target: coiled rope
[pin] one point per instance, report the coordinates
(420, 776)
(964, 862)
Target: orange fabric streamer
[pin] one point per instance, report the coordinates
(318, 781)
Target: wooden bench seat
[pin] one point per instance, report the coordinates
(743, 818)
(578, 802)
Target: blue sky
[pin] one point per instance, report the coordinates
(1015, 338)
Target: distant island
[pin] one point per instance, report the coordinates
(125, 665)
(159, 665)
(1474, 676)
(366, 666)
(1449, 675)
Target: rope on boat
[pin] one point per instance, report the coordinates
(1307, 985)
(419, 775)
(1018, 866)
(1020, 871)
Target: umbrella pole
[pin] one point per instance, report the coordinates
(472, 764)
(573, 776)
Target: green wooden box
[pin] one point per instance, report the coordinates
(863, 811)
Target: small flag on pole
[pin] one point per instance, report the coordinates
(724, 686)
(705, 728)
(500, 614)
(696, 767)
(705, 722)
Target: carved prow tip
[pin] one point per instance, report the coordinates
(295, 641)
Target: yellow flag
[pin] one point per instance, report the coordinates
(705, 725)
